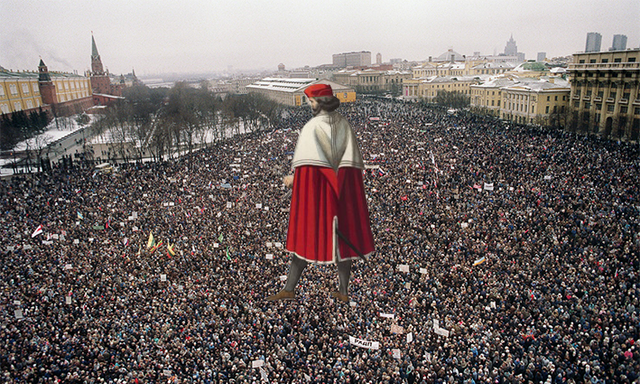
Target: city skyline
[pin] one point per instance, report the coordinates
(199, 36)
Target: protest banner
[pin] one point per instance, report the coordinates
(363, 343)
(409, 337)
(397, 329)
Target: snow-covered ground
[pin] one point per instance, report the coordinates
(56, 130)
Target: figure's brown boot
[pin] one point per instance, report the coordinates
(340, 296)
(282, 295)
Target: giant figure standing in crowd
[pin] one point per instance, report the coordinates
(329, 218)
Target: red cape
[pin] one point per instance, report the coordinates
(321, 199)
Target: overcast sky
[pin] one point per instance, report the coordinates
(162, 36)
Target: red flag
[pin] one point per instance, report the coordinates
(37, 231)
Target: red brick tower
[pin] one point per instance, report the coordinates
(47, 88)
(100, 82)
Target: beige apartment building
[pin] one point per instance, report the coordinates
(605, 93)
(539, 102)
(371, 80)
(424, 70)
(486, 98)
(427, 89)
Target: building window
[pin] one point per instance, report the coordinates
(17, 106)
(636, 111)
(576, 104)
(2, 91)
(29, 104)
(25, 89)
(587, 105)
(13, 89)
(610, 107)
(598, 107)
(624, 109)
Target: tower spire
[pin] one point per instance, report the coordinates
(96, 63)
(94, 49)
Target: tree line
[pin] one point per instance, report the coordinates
(21, 126)
(161, 123)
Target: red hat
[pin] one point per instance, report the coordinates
(318, 90)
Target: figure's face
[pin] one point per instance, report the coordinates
(312, 103)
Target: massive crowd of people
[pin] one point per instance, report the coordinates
(504, 254)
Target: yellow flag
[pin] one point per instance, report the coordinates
(151, 241)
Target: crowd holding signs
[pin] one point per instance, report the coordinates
(158, 272)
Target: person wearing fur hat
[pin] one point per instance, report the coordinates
(329, 217)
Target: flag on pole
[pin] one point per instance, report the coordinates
(220, 238)
(80, 215)
(151, 242)
(170, 250)
(228, 257)
(37, 231)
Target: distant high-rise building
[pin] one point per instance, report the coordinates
(379, 58)
(352, 59)
(594, 41)
(619, 43)
(541, 56)
(511, 49)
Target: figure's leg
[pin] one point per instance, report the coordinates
(344, 274)
(295, 271)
